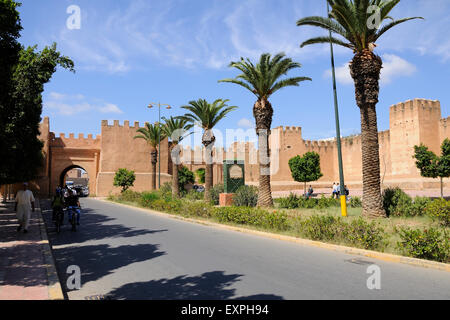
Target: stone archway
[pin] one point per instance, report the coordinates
(65, 171)
(63, 160)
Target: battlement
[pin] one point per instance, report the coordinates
(75, 142)
(116, 124)
(445, 122)
(415, 104)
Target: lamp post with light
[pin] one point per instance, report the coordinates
(168, 107)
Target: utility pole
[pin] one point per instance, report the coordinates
(338, 130)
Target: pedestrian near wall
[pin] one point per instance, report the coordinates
(24, 205)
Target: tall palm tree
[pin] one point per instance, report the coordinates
(355, 24)
(176, 130)
(263, 80)
(152, 134)
(207, 115)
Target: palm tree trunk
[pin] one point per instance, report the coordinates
(365, 69)
(208, 140)
(442, 187)
(263, 112)
(175, 184)
(154, 160)
(208, 174)
(175, 164)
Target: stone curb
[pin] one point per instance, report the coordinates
(54, 286)
(349, 250)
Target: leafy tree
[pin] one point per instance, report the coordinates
(21, 148)
(263, 80)
(307, 168)
(357, 28)
(432, 166)
(10, 28)
(201, 175)
(176, 129)
(185, 176)
(124, 179)
(23, 73)
(207, 115)
(153, 134)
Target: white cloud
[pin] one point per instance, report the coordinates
(69, 105)
(68, 109)
(110, 108)
(393, 67)
(246, 123)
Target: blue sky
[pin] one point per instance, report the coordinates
(130, 53)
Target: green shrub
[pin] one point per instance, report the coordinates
(147, 198)
(396, 202)
(215, 192)
(310, 203)
(253, 217)
(194, 195)
(291, 202)
(324, 202)
(319, 227)
(362, 234)
(170, 206)
(185, 176)
(439, 209)
(246, 196)
(124, 178)
(129, 195)
(201, 175)
(275, 220)
(355, 202)
(166, 189)
(239, 215)
(419, 206)
(427, 244)
(197, 209)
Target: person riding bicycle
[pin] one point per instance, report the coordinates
(57, 203)
(73, 204)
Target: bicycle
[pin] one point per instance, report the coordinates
(72, 213)
(59, 218)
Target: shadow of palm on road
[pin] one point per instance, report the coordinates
(207, 286)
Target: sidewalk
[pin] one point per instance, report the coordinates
(27, 270)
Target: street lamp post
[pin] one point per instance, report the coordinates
(168, 107)
(338, 130)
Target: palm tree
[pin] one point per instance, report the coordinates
(263, 80)
(153, 135)
(207, 115)
(354, 22)
(176, 129)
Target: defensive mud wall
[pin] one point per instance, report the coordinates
(411, 123)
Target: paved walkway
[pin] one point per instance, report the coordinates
(24, 261)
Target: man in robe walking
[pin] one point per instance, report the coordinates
(24, 205)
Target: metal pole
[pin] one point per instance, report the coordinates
(338, 130)
(159, 146)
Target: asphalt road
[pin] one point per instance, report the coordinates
(126, 253)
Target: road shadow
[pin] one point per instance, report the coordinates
(207, 286)
(94, 226)
(97, 261)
